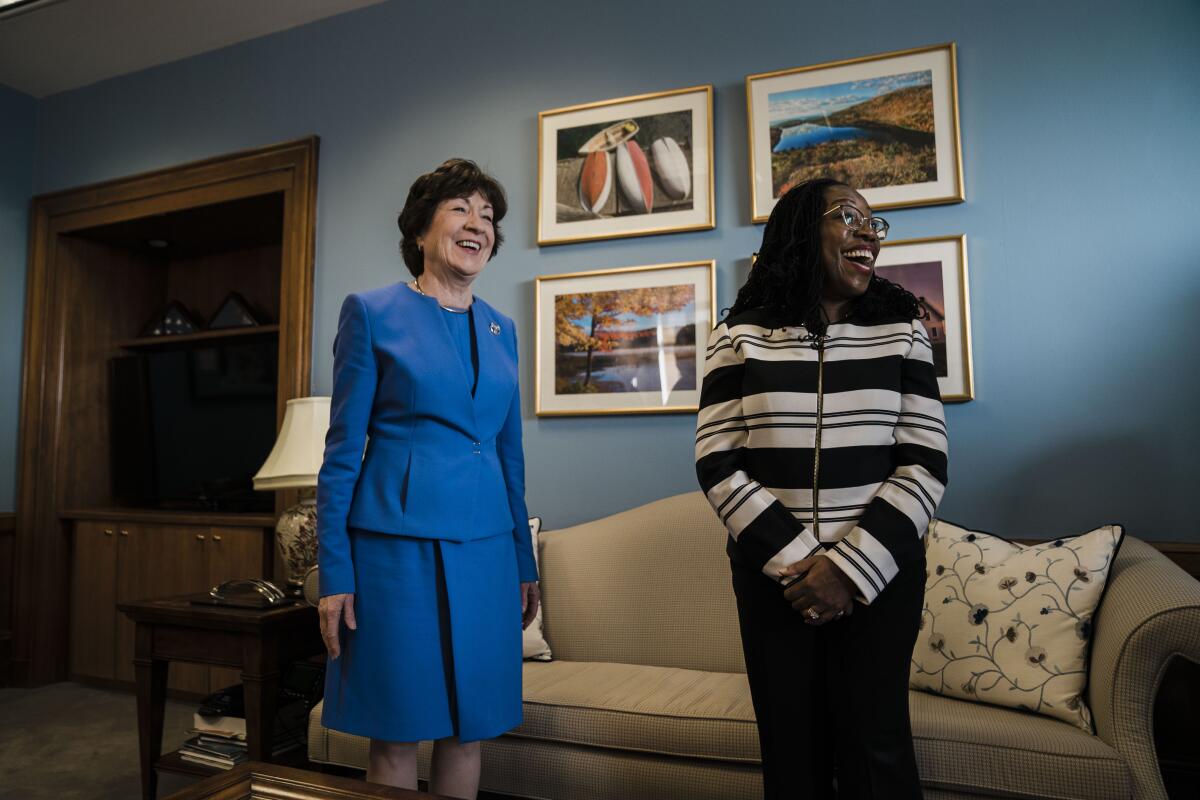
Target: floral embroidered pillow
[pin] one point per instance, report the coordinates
(1008, 624)
(533, 641)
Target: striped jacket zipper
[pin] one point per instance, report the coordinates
(820, 345)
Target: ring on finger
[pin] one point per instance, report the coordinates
(813, 614)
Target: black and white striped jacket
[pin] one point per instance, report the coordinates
(833, 445)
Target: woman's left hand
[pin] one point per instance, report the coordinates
(531, 598)
(823, 593)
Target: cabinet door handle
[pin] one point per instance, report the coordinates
(124, 532)
(216, 537)
(200, 536)
(108, 531)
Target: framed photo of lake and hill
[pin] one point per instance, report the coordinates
(624, 340)
(633, 166)
(886, 125)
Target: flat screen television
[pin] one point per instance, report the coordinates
(190, 427)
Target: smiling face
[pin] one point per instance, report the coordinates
(459, 238)
(847, 257)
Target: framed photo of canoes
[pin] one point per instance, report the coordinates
(935, 270)
(633, 166)
(624, 340)
(886, 125)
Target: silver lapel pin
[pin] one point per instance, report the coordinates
(495, 329)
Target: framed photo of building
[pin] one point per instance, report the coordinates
(886, 125)
(935, 270)
(633, 166)
(623, 341)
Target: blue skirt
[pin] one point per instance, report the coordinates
(437, 651)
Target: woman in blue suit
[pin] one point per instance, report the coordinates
(426, 566)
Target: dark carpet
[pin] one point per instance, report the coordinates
(71, 741)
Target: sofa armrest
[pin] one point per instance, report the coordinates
(1150, 614)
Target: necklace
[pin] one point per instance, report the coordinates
(451, 309)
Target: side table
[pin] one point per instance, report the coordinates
(260, 643)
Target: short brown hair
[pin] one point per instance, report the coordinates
(456, 177)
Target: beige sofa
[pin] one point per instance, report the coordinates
(647, 698)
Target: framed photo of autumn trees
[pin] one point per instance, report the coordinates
(624, 340)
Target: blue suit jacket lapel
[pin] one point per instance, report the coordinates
(490, 348)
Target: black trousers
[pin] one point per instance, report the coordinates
(832, 701)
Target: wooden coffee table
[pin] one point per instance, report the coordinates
(274, 782)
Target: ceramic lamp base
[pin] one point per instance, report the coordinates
(296, 541)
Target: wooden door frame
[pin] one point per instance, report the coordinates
(41, 569)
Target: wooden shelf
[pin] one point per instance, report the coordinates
(173, 762)
(184, 339)
(167, 517)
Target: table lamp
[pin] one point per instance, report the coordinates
(294, 463)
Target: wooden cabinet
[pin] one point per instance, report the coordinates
(93, 598)
(104, 260)
(146, 555)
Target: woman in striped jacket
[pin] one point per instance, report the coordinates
(821, 444)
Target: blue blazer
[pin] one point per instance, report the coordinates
(439, 463)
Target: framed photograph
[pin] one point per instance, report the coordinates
(935, 270)
(886, 125)
(623, 341)
(634, 166)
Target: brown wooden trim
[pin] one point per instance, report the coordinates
(41, 547)
(1185, 554)
(205, 172)
(235, 188)
(170, 517)
(254, 779)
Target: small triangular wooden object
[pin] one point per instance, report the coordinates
(234, 312)
(171, 321)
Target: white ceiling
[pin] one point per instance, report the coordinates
(51, 46)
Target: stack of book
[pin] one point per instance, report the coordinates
(219, 728)
(214, 751)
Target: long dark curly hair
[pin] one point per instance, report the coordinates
(787, 277)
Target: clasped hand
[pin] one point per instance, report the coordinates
(334, 609)
(823, 592)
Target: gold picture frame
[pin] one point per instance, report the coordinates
(632, 166)
(625, 340)
(886, 124)
(935, 270)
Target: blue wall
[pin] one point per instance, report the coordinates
(17, 118)
(1079, 125)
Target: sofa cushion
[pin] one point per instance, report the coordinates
(646, 586)
(1008, 624)
(533, 641)
(982, 749)
(961, 749)
(679, 712)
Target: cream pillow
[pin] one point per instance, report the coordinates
(1011, 625)
(533, 642)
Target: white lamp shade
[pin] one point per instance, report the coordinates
(296, 458)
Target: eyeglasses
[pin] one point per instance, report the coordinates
(854, 220)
